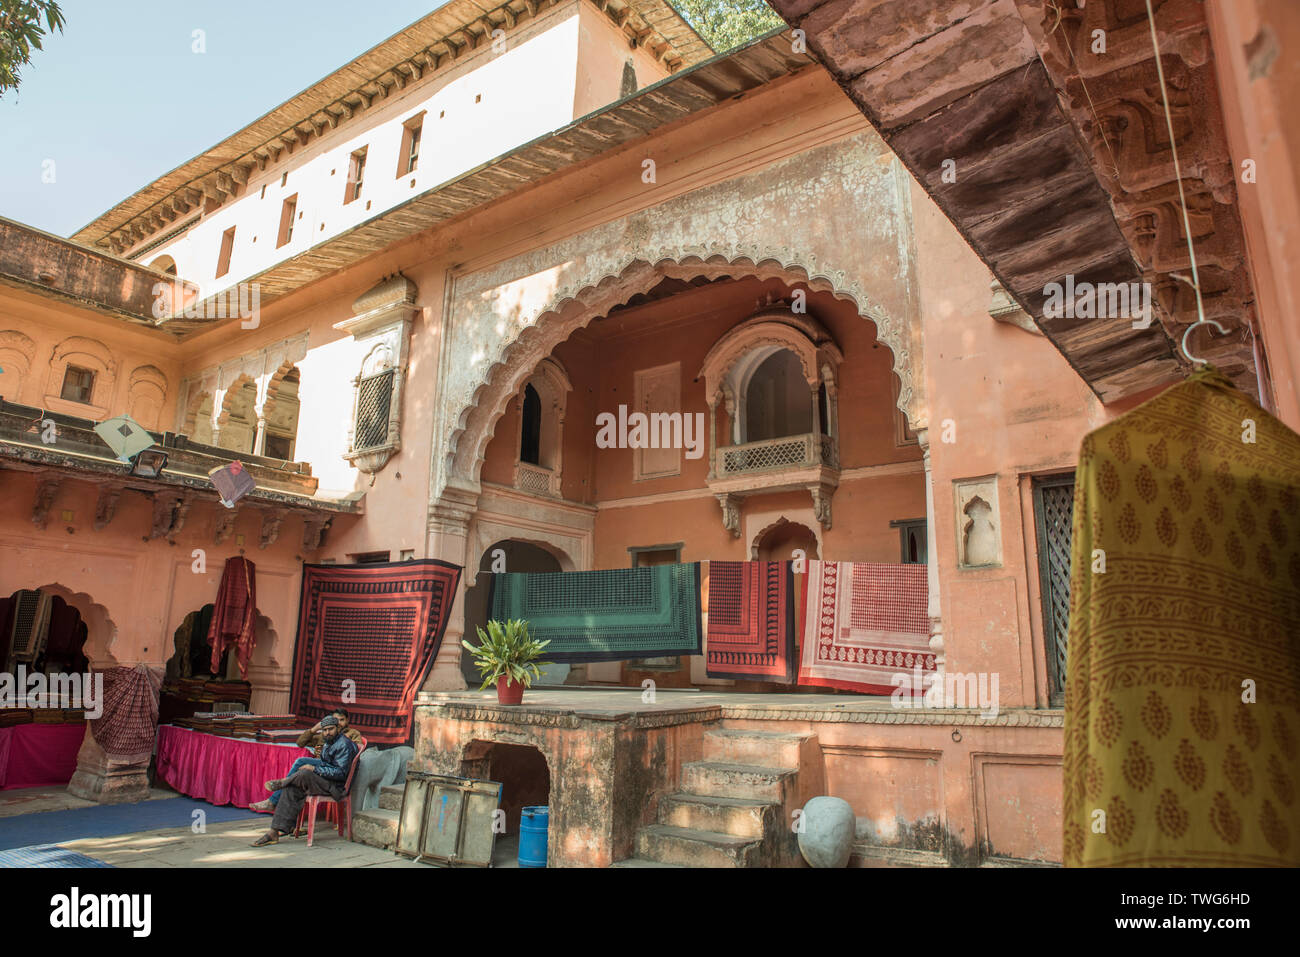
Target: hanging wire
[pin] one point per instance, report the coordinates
(1182, 197)
(1092, 108)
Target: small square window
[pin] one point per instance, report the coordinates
(409, 156)
(227, 247)
(78, 385)
(287, 217)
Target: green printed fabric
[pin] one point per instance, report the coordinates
(609, 615)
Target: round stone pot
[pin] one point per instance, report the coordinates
(829, 826)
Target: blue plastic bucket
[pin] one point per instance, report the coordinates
(533, 824)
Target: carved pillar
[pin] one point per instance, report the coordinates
(713, 436)
(932, 560)
(817, 413)
(448, 541)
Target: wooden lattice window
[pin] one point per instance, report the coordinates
(374, 400)
(1053, 509)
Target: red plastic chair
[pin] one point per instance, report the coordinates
(342, 806)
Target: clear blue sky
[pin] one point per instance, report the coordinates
(118, 98)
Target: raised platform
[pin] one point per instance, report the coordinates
(661, 779)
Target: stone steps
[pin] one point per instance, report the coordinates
(390, 797)
(376, 827)
(741, 817)
(641, 862)
(768, 749)
(687, 847)
(720, 779)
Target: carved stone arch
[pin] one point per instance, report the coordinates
(757, 541)
(379, 358)
(16, 354)
(90, 353)
(530, 334)
(197, 423)
(273, 386)
(225, 432)
(101, 630)
(145, 394)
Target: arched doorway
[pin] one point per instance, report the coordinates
(44, 633)
(525, 780)
(512, 556)
(191, 653)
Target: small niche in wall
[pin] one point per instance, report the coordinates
(979, 535)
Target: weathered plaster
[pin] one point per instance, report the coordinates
(798, 218)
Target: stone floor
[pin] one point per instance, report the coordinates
(36, 800)
(228, 845)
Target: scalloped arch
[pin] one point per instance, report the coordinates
(577, 302)
(101, 630)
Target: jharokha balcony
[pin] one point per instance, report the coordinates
(809, 462)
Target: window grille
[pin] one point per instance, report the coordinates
(374, 397)
(1053, 511)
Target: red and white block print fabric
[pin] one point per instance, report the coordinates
(864, 623)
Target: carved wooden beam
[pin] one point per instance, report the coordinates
(46, 490)
(181, 513)
(106, 505)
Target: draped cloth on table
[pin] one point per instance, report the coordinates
(751, 621)
(1199, 530)
(613, 614)
(129, 722)
(367, 635)
(865, 623)
(235, 614)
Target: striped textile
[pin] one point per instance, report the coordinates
(865, 623)
(613, 614)
(751, 621)
(372, 629)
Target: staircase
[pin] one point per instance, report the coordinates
(378, 826)
(734, 809)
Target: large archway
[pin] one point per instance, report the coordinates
(481, 404)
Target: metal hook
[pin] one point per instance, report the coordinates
(1203, 322)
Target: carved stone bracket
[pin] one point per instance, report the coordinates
(165, 507)
(821, 496)
(730, 512)
(225, 525)
(106, 505)
(46, 489)
(271, 519)
(313, 531)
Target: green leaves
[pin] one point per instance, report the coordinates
(726, 24)
(507, 651)
(21, 32)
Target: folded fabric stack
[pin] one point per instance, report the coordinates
(14, 716)
(278, 735)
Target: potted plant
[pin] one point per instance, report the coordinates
(507, 657)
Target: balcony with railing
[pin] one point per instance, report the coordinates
(788, 452)
(537, 480)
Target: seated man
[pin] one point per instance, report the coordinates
(311, 738)
(326, 779)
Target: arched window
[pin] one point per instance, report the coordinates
(238, 421)
(281, 416)
(777, 399)
(530, 436)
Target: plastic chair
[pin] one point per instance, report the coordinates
(342, 807)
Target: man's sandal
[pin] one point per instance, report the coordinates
(270, 837)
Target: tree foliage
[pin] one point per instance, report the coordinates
(22, 25)
(726, 24)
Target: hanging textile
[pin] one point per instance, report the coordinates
(129, 721)
(751, 621)
(614, 614)
(235, 614)
(373, 630)
(1185, 596)
(864, 623)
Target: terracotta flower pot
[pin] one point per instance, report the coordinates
(509, 692)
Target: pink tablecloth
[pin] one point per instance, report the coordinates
(39, 755)
(221, 770)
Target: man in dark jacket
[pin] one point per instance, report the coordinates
(326, 779)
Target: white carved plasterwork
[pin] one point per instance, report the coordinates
(792, 220)
(564, 530)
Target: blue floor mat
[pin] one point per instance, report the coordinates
(47, 855)
(107, 820)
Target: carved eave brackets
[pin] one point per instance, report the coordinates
(381, 326)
